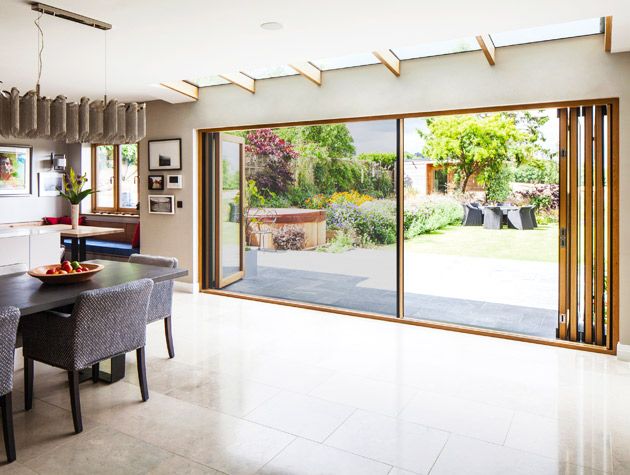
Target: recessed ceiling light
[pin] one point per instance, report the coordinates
(271, 25)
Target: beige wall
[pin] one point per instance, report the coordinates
(552, 71)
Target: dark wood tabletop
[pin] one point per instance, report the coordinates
(32, 296)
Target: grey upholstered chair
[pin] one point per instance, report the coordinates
(492, 217)
(161, 303)
(520, 218)
(104, 323)
(473, 216)
(9, 319)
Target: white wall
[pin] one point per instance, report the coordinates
(15, 209)
(552, 71)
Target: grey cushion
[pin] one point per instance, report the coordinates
(104, 323)
(161, 302)
(9, 319)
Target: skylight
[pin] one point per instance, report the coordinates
(272, 72)
(572, 29)
(437, 49)
(208, 81)
(345, 61)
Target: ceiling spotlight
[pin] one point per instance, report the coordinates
(271, 25)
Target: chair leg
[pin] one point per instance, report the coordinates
(168, 332)
(6, 406)
(142, 373)
(75, 401)
(96, 371)
(29, 374)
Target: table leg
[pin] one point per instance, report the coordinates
(82, 244)
(116, 373)
(74, 249)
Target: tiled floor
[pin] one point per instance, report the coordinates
(258, 388)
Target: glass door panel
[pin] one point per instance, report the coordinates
(229, 210)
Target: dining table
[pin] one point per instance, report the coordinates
(79, 237)
(31, 296)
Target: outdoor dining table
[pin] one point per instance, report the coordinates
(32, 296)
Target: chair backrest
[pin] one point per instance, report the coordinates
(9, 319)
(110, 321)
(495, 210)
(13, 269)
(161, 302)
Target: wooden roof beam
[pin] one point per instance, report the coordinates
(241, 80)
(389, 60)
(608, 34)
(487, 46)
(309, 71)
(184, 88)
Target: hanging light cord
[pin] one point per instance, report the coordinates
(40, 50)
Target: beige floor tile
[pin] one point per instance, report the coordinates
(301, 415)
(389, 440)
(460, 416)
(304, 457)
(15, 468)
(203, 435)
(365, 393)
(101, 451)
(568, 440)
(463, 455)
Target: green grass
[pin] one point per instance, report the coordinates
(539, 244)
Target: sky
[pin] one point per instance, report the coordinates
(380, 136)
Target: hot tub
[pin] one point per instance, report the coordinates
(312, 221)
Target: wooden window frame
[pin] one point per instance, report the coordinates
(612, 104)
(116, 209)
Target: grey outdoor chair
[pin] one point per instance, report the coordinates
(520, 218)
(492, 217)
(9, 319)
(104, 323)
(532, 212)
(473, 216)
(161, 303)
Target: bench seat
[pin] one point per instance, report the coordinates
(100, 246)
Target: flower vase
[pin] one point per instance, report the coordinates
(75, 216)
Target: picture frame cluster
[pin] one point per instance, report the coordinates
(164, 155)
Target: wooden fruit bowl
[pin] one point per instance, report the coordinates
(40, 273)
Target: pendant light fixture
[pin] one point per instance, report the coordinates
(34, 116)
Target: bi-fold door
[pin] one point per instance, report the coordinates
(587, 226)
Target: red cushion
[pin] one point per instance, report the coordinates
(68, 220)
(50, 220)
(135, 242)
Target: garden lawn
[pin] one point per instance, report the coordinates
(540, 244)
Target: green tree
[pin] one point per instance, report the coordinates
(384, 159)
(334, 140)
(480, 145)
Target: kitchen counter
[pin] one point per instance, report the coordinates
(12, 230)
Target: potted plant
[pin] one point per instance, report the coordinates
(253, 200)
(73, 191)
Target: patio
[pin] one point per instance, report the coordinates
(507, 292)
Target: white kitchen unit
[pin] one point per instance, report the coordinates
(30, 245)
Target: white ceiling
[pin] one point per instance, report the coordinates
(162, 40)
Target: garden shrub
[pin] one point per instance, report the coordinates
(497, 185)
(377, 222)
(349, 197)
(289, 238)
(343, 241)
(430, 215)
(541, 172)
(342, 216)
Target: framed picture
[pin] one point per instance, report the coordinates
(15, 169)
(165, 154)
(156, 182)
(174, 181)
(162, 204)
(49, 183)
